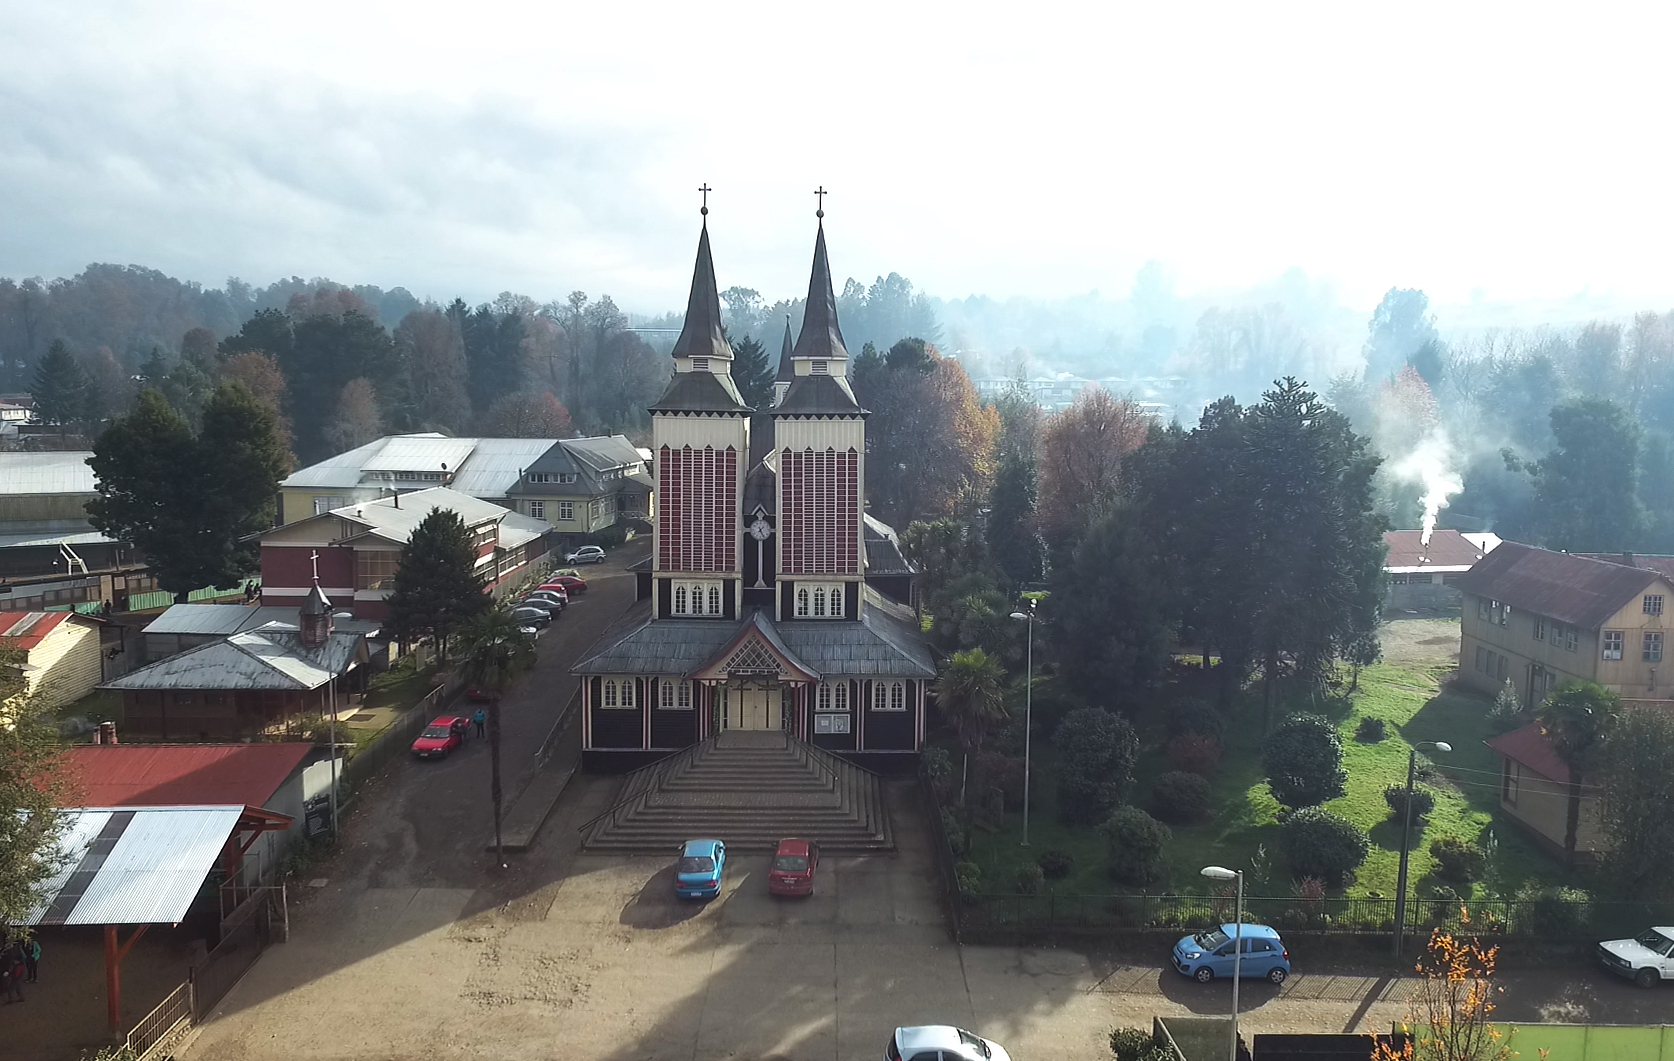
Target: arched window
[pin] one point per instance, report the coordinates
(627, 692)
(685, 700)
(819, 602)
(802, 601)
(679, 600)
(823, 703)
(880, 696)
(665, 693)
(715, 599)
(840, 696)
(898, 697)
(609, 699)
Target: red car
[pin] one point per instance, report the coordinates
(443, 735)
(568, 583)
(793, 868)
(476, 694)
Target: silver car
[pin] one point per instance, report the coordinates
(942, 1042)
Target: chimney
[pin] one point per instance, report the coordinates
(106, 734)
(397, 498)
(1627, 558)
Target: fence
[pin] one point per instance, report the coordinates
(159, 1027)
(394, 740)
(944, 855)
(243, 938)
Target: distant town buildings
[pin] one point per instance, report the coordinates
(1164, 397)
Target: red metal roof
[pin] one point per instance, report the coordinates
(1447, 548)
(28, 629)
(152, 775)
(1529, 747)
(1562, 586)
(1661, 563)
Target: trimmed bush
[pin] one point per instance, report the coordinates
(1321, 843)
(1055, 864)
(1457, 860)
(1181, 798)
(1423, 801)
(1195, 753)
(1096, 754)
(1552, 913)
(1195, 716)
(1304, 761)
(1134, 841)
(991, 771)
(969, 876)
(1030, 879)
(1131, 1044)
(958, 837)
(1371, 730)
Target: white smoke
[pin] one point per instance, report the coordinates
(1431, 465)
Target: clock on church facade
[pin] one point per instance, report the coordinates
(771, 600)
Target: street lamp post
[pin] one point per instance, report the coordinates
(1028, 710)
(1222, 873)
(1406, 830)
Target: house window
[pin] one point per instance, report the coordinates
(832, 723)
(537, 509)
(880, 696)
(1500, 672)
(322, 504)
(819, 600)
(1571, 638)
(677, 696)
(1481, 658)
(376, 568)
(898, 697)
(1653, 604)
(627, 692)
(1612, 644)
(1509, 783)
(1539, 628)
(566, 510)
(697, 598)
(1651, 652)
(608, 697)
(1505, 615)
(432, 477)
(832, 696)
(1482, 607)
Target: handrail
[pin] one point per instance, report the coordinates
(627, 780)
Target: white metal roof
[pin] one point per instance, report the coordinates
(420, 453)
(271, 657)
(386, 519)
(216, 620)
(133, 865)
(495, 465)
(46, 473)
(517, 529)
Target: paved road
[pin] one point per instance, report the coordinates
(418, 948)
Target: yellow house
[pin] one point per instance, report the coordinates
(62, 661)
(1539, 618)
(1535, 793)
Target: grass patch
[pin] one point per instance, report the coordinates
(1409, 697)
(401, 686)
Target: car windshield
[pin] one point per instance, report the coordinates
(699, 864)
(968, 1039)
(1211, 939)
(791, 863)
(1654, 940)
(434, 731)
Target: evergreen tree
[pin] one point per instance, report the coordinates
(866, 375)
(494, 361)
(753, 373)
(146, 477)
(1013, 543)
(1586, 487)
(437, 589)
(240, 457)
(327, 352)
(60, 390)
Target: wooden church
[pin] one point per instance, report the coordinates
(771, 601)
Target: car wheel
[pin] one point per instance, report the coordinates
(1647, 978)
(1276, 975)
(1204, 974)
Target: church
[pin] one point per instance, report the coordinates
(772, 601)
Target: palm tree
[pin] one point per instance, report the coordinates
(1575, 718)
(971, 696)
(494, 651)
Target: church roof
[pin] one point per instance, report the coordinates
(821, 337)
(883, 550)
(813, 395)
(701, 392)
(786, 372)
(701, 335)
(760, 485)
(882, 644)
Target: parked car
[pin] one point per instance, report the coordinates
(942, 1042)
(550, 593)
(698, 873)
(563, 571)
(570, 584)
(1647, 959)
(793, 868)
(478, 693)
(443, 735)
(527, 615)
(1209, 954)
(552, 608)
(587, 554)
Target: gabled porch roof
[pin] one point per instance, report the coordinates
(756, 650)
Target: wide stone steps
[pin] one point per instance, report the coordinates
(750, 789)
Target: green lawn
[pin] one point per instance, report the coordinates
(1408, 698)
(401, 686)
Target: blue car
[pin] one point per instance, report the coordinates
(1208, 955)
(698, 873)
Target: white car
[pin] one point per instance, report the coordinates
(1647, 959)
(587, 554)
(942, 1042)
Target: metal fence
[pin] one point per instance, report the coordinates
(394, 740)
(243, 938)
(944, 855)
(158, 1028)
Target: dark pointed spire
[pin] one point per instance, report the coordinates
(786, 371)
(821, 337)
(701, 335)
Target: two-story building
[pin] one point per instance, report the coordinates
(1540, 618)
(355, 550)
(50, 554)
(580, 486)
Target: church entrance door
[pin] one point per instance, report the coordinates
(753, 707)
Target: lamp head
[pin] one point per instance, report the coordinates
(1018, 615)
(1219, 873)
(1443, 746)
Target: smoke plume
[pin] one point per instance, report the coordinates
(1430, 464)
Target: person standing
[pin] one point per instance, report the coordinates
(32, 959)
(11, 973)
(479, 720)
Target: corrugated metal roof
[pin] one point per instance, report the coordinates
(883, 549)
(70, 532)
(1447, 549)
(481, 467)
(343, 470)
(516, 529)
(139, 775)
(150, 873)
(271, 657)
(28, 629)
(602, 452)
(1571, 589)
(494, 466)
(420, 453)
(223, 620)
(384, 518)
(46, 473)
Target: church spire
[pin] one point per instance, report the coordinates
(821, 338)
(701, 336)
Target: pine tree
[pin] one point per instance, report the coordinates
(437, 589)
(753, 373)
(241, 458)
(60, 390)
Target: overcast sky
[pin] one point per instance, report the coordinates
(1037, 149)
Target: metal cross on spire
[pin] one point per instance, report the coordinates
(314, 558)
(706, 189)
(820, 193)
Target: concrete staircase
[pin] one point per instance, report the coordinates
(750, 789)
